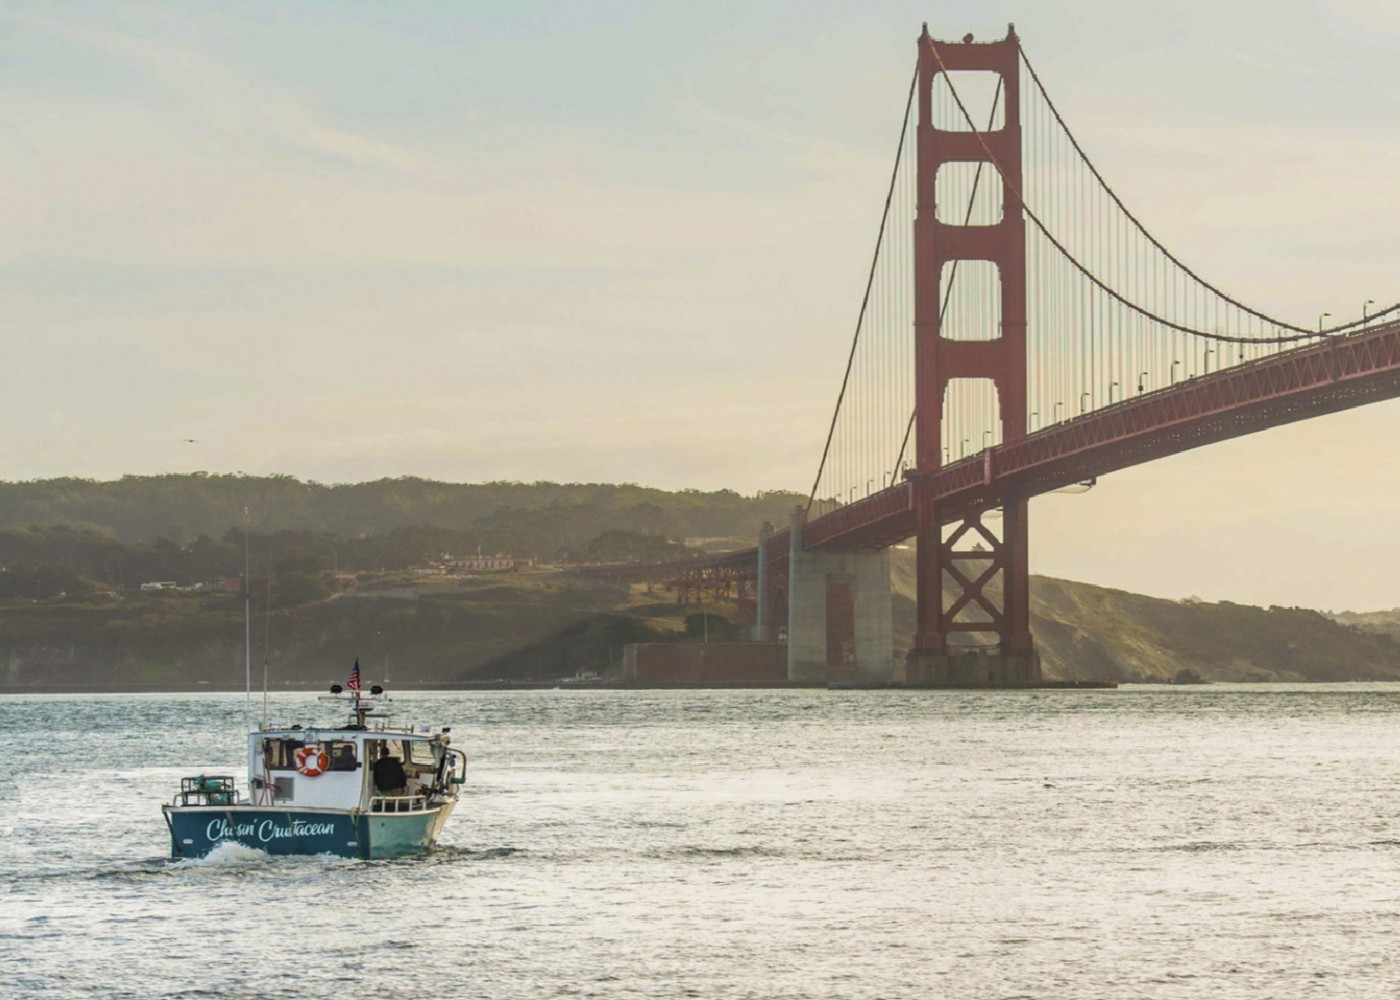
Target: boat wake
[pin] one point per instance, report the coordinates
(231, 857)
(229, 854)
(446, 854)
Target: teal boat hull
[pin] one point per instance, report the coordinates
(195, 831)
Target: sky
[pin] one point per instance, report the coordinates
(625, 242)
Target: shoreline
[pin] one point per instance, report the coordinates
(515, 685)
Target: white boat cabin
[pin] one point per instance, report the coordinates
(352, 768)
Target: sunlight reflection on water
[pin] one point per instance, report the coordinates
(1234, 840)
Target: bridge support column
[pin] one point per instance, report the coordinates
(763, 623)
(1016, 599)
(840, 625)
(973, 626)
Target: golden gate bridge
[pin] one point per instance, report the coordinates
(1020, 331)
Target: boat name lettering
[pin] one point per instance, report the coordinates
(266, 830)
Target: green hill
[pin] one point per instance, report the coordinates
(1383, 622)
(541, 625)
(1084, 632)
(337, 574)
(537, 520)
(534, 625)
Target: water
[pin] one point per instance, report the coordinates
(1228, 841)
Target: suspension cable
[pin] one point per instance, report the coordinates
(1108, 189)
(869, 283)
(1111, 292)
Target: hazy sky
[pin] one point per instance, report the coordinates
(626, 242)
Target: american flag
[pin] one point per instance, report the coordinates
(353, 683)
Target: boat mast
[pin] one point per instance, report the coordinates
(247, 625)
(267, 633)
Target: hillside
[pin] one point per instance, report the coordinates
(1383, 622)
(1084, 632)
(356, 570)
(538, 520)
(541, 625)
(522, 626)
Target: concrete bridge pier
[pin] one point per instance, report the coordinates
(840, 625)
(970, 667)
(763, 626)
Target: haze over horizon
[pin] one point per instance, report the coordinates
(533, 241)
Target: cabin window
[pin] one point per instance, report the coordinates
(391, 748)
(341, 754)
(280, 755)
(421, 752)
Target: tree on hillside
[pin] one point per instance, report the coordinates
(554, 515)
(630, 546)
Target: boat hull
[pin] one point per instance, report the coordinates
(195, 831)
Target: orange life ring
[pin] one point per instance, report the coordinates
(311, 761)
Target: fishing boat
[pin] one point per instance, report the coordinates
(359, 789)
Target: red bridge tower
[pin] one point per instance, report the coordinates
(973, 581)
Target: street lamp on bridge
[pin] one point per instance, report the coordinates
(1055, 411)
(985, 435)
(1175, 362)
(1320, 319)
(1083, 400)
(964, 448)
(1209, 352)
(1365, 317)
(1034, 415)
(1111, 387)
(1142, 377)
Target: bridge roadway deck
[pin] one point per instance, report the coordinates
(1338, 374)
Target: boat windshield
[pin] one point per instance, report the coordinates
(280, 754)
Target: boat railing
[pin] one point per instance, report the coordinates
(206, 790)
(398, 803)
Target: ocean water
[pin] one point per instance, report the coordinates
(1222, 841)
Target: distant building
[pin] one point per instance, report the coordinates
(482, 563)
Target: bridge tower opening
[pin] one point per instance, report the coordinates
(961, 560)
